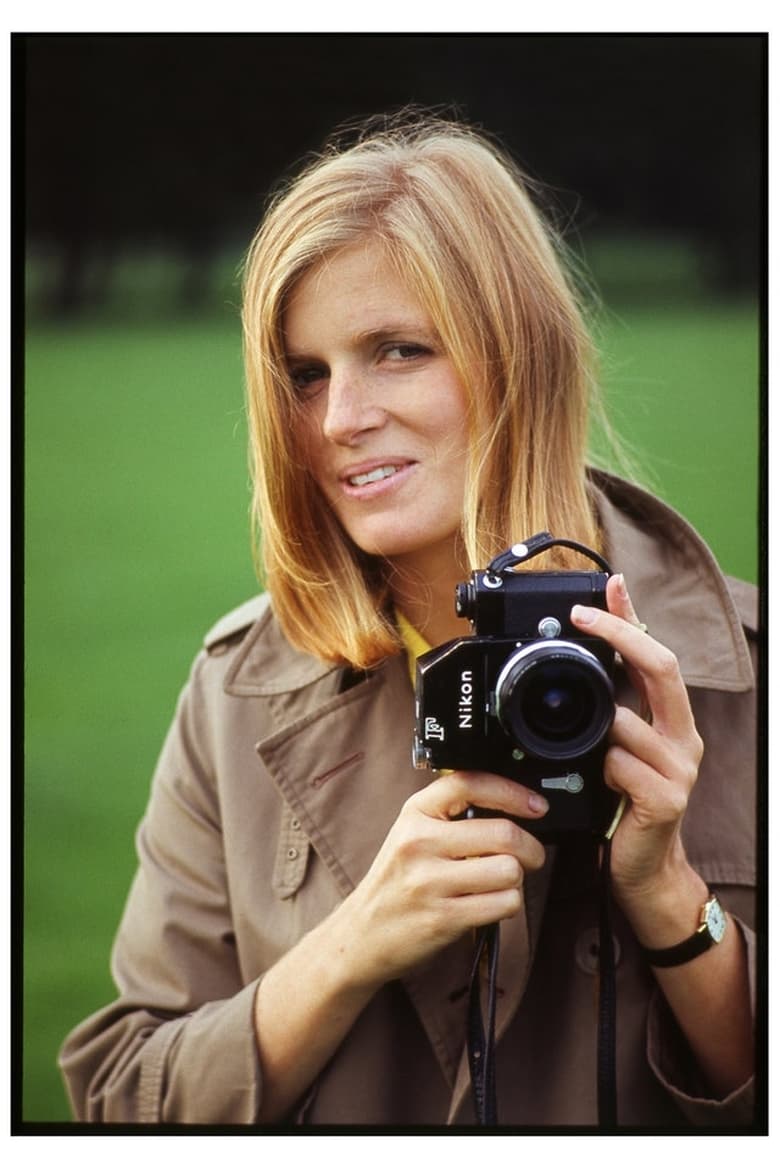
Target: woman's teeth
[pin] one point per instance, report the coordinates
(372, 476)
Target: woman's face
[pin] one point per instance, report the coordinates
(385, 414)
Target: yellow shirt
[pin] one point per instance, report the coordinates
(414, 643)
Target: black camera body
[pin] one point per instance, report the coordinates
(525, 695)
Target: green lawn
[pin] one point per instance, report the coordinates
(682, 388)
(136, 540)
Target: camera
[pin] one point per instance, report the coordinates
(525, 695)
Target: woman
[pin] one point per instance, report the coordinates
(297, 942)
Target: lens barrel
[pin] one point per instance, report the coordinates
(555, 699)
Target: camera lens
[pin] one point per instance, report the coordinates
(555, 700)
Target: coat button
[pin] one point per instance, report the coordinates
(292, 853)
(587, 951)
(295, 824)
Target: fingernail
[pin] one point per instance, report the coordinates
(621, 587)
(537, 803)
(584, 614)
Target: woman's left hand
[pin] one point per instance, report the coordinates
(653, 760)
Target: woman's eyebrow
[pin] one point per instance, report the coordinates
(396, 328)
(297, 356)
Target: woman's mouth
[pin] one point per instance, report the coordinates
(372, 476)
(372, 479)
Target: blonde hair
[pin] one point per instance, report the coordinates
(455, 217)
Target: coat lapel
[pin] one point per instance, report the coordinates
(346, 777)
(675, 584)
(345, 769)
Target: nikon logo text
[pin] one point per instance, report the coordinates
(465, 705)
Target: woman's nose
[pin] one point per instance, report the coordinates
(351, 408)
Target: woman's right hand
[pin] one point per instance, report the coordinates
(437, 876)
(434, 878)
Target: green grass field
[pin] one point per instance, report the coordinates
(137, 540)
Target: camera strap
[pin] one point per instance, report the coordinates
(534, 545)
(481, 1032)
(482, 1038)
(606, 1082)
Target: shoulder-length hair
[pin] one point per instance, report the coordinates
(455, 218)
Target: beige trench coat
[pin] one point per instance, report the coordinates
(275, 788)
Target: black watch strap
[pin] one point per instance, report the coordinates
(710, 932)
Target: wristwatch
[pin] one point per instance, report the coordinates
(710, 931)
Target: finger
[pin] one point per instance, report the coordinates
(654, 799)
(619, 602)
(655, 664)
(675, 761)
(450, 796)
(492, 836)
(480, 875)
(477, 910)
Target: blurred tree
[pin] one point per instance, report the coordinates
(175, 138)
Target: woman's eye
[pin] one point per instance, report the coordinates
(404, 351)
(307, 378)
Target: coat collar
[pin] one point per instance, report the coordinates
(675, 584)
(674, 581)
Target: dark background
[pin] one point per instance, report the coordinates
(136, 139)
